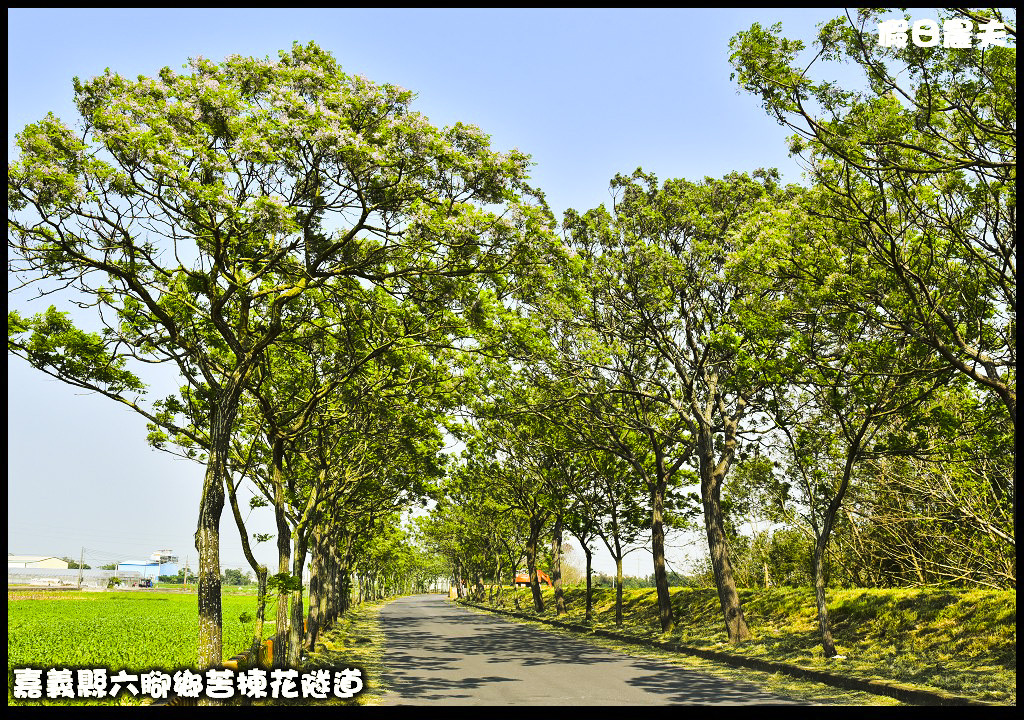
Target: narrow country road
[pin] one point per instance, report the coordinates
(438, 653)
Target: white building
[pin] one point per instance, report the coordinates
(36, 561)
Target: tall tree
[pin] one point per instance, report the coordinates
(659, 269)
(193, 209)
(918, 169)
(846, 378)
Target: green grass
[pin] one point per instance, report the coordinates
(356, 640)
(962, 642)
(132, 630)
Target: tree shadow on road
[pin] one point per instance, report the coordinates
(426, 666)
(685, 686)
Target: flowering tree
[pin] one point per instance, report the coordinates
(191, 210)
(917, 172)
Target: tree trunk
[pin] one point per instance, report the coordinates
(295, 630)
(284, 556)
(711, 478)
(821, 544)
(531, 566)
(497, 581)
(480, 590)
(590, 592)
(827, 643)
(343, 580)
(208, 544)
(459, 590)
(316, 590)
(344, 588)
(556, 566)
(618, 591)
(329, 597)
(207, 537)
(261, 607)
(658, 543)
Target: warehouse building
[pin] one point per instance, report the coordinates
(168, 562)
(159, 563)
(36, 561)
(138, 568)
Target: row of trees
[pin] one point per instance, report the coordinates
(838, 357)
(340, 286)
(310, 256)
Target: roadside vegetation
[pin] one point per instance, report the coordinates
(356, 640)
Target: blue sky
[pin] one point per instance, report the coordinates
(586, 93)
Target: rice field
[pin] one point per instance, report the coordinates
(130, 630)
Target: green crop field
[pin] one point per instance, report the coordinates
(134, 630)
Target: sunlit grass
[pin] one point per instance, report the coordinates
(130, 630)
(356, 640)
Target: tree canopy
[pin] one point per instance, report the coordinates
(368, 314)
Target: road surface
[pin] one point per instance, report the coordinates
(438, 653)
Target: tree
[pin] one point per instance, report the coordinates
(234, 576)
(847, 381)
(606, 381)
(506, 455)
(73, 564)
(193, 209)
(662, 295)
(614, 502)
(918, 173)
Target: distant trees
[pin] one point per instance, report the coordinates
(234, 576)
(73, 564)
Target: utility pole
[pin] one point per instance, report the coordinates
(81, 560)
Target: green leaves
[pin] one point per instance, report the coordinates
(910, 184)
(283, 583)
(57, 346)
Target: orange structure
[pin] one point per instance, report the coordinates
(524, 578)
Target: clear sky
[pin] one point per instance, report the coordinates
(586, 93)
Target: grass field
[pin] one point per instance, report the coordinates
(132, 630)
(963, 642)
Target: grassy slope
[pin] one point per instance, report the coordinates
(356, 640)
(959, 641)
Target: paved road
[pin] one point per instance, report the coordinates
(442, 654)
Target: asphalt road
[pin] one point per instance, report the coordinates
(438, 653)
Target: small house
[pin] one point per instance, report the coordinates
(523, 579)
